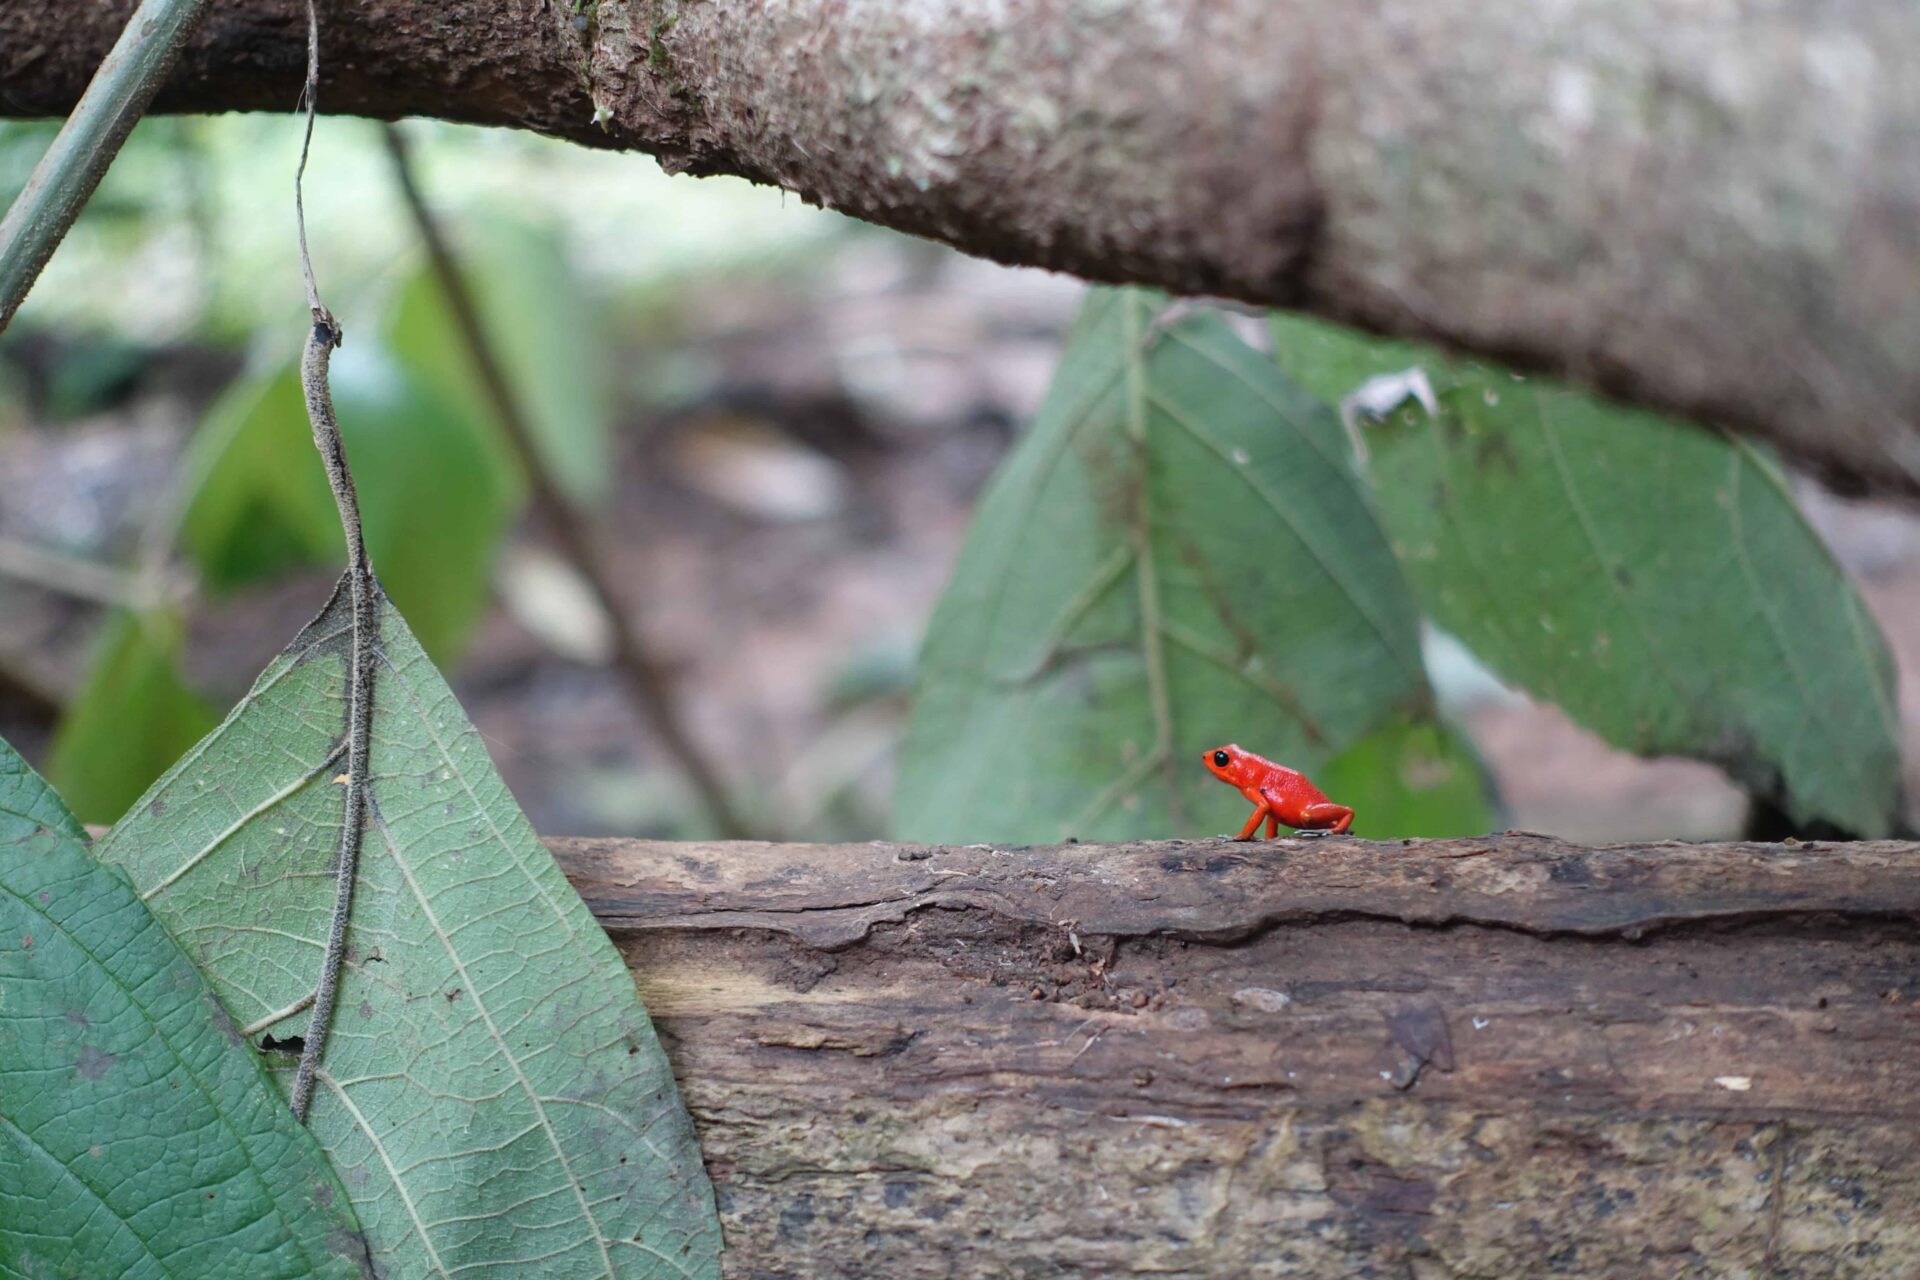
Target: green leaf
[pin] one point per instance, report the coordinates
(1412, 777)
(543, 328)
(30, 810)
(1655, 580)
(436, 491)
(492, 1092)
(1177, 555)
(139, 1137)
(132, 718)
(258, 503)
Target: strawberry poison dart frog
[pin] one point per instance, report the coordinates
(1279, 794)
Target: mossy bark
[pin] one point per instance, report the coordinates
(1476, 1058)
(1703, 207)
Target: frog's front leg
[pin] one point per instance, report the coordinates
(1261, 812)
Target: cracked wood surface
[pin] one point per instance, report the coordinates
(1484, 1058)
(1703, 207)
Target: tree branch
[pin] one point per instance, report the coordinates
(1704, 208)
(1504, 1056)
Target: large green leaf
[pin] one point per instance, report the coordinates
(1176, 556)
(492, 1094)
(132, 717)
(1655, 580)
(139, 1137)
(438, 491)
(544, 330)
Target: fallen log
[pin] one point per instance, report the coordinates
(1490, 1058)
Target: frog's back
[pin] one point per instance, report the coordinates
(1290, 789)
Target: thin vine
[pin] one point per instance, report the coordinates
(321, 340)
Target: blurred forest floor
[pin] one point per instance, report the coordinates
(783, 522)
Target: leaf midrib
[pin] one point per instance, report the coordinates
(393, 1176)
(500, 1041)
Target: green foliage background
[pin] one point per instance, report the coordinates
(1651, 579)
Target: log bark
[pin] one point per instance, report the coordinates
(1490, 1058)
(1709, 208)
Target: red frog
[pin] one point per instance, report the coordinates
(1279, 794)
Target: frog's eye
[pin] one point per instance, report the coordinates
(1220, 759)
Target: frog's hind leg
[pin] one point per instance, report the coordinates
(1334, 819)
